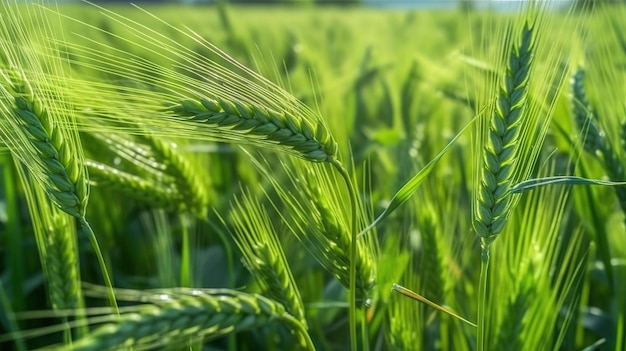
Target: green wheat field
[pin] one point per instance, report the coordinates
(231, 178)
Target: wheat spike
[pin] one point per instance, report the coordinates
(500, 152)
(145, 191)
(185, 177)
(282, 128)
(595, 141)
(194, 313)
(255, 236)
(316, 216)
(50, 145)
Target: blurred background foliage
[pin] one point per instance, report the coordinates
(394, 87)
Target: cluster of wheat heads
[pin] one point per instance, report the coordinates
(179, 91)
(248, 109)
(155, 171)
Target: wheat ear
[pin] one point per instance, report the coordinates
(499, 162)
(256, 238)
(317, 217)
(58, 168)
(334, 245)
(36, 126)
(55, 233)
(595, 141)
(62, 264)
(500, 152)
(186, 179)
(49, 148)
(177, 317)
(308, 142)
(143, 190)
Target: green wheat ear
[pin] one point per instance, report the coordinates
(501, 149)
(593, 137)
(36, 123)
(314, 208)
(282, 128)
(263, 254)
(180, 314)
(51, 148)
(155, 172)
(55, 233)
(595, 141)
(144, 190)
(206, 99)
(186, 177)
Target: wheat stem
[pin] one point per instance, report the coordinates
(481, 323)
(105, 273)
(353, 238)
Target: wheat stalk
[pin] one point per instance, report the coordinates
(192, 314)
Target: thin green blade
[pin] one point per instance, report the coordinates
(411, 186)
(531, 184)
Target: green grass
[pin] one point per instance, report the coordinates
(248, 190)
